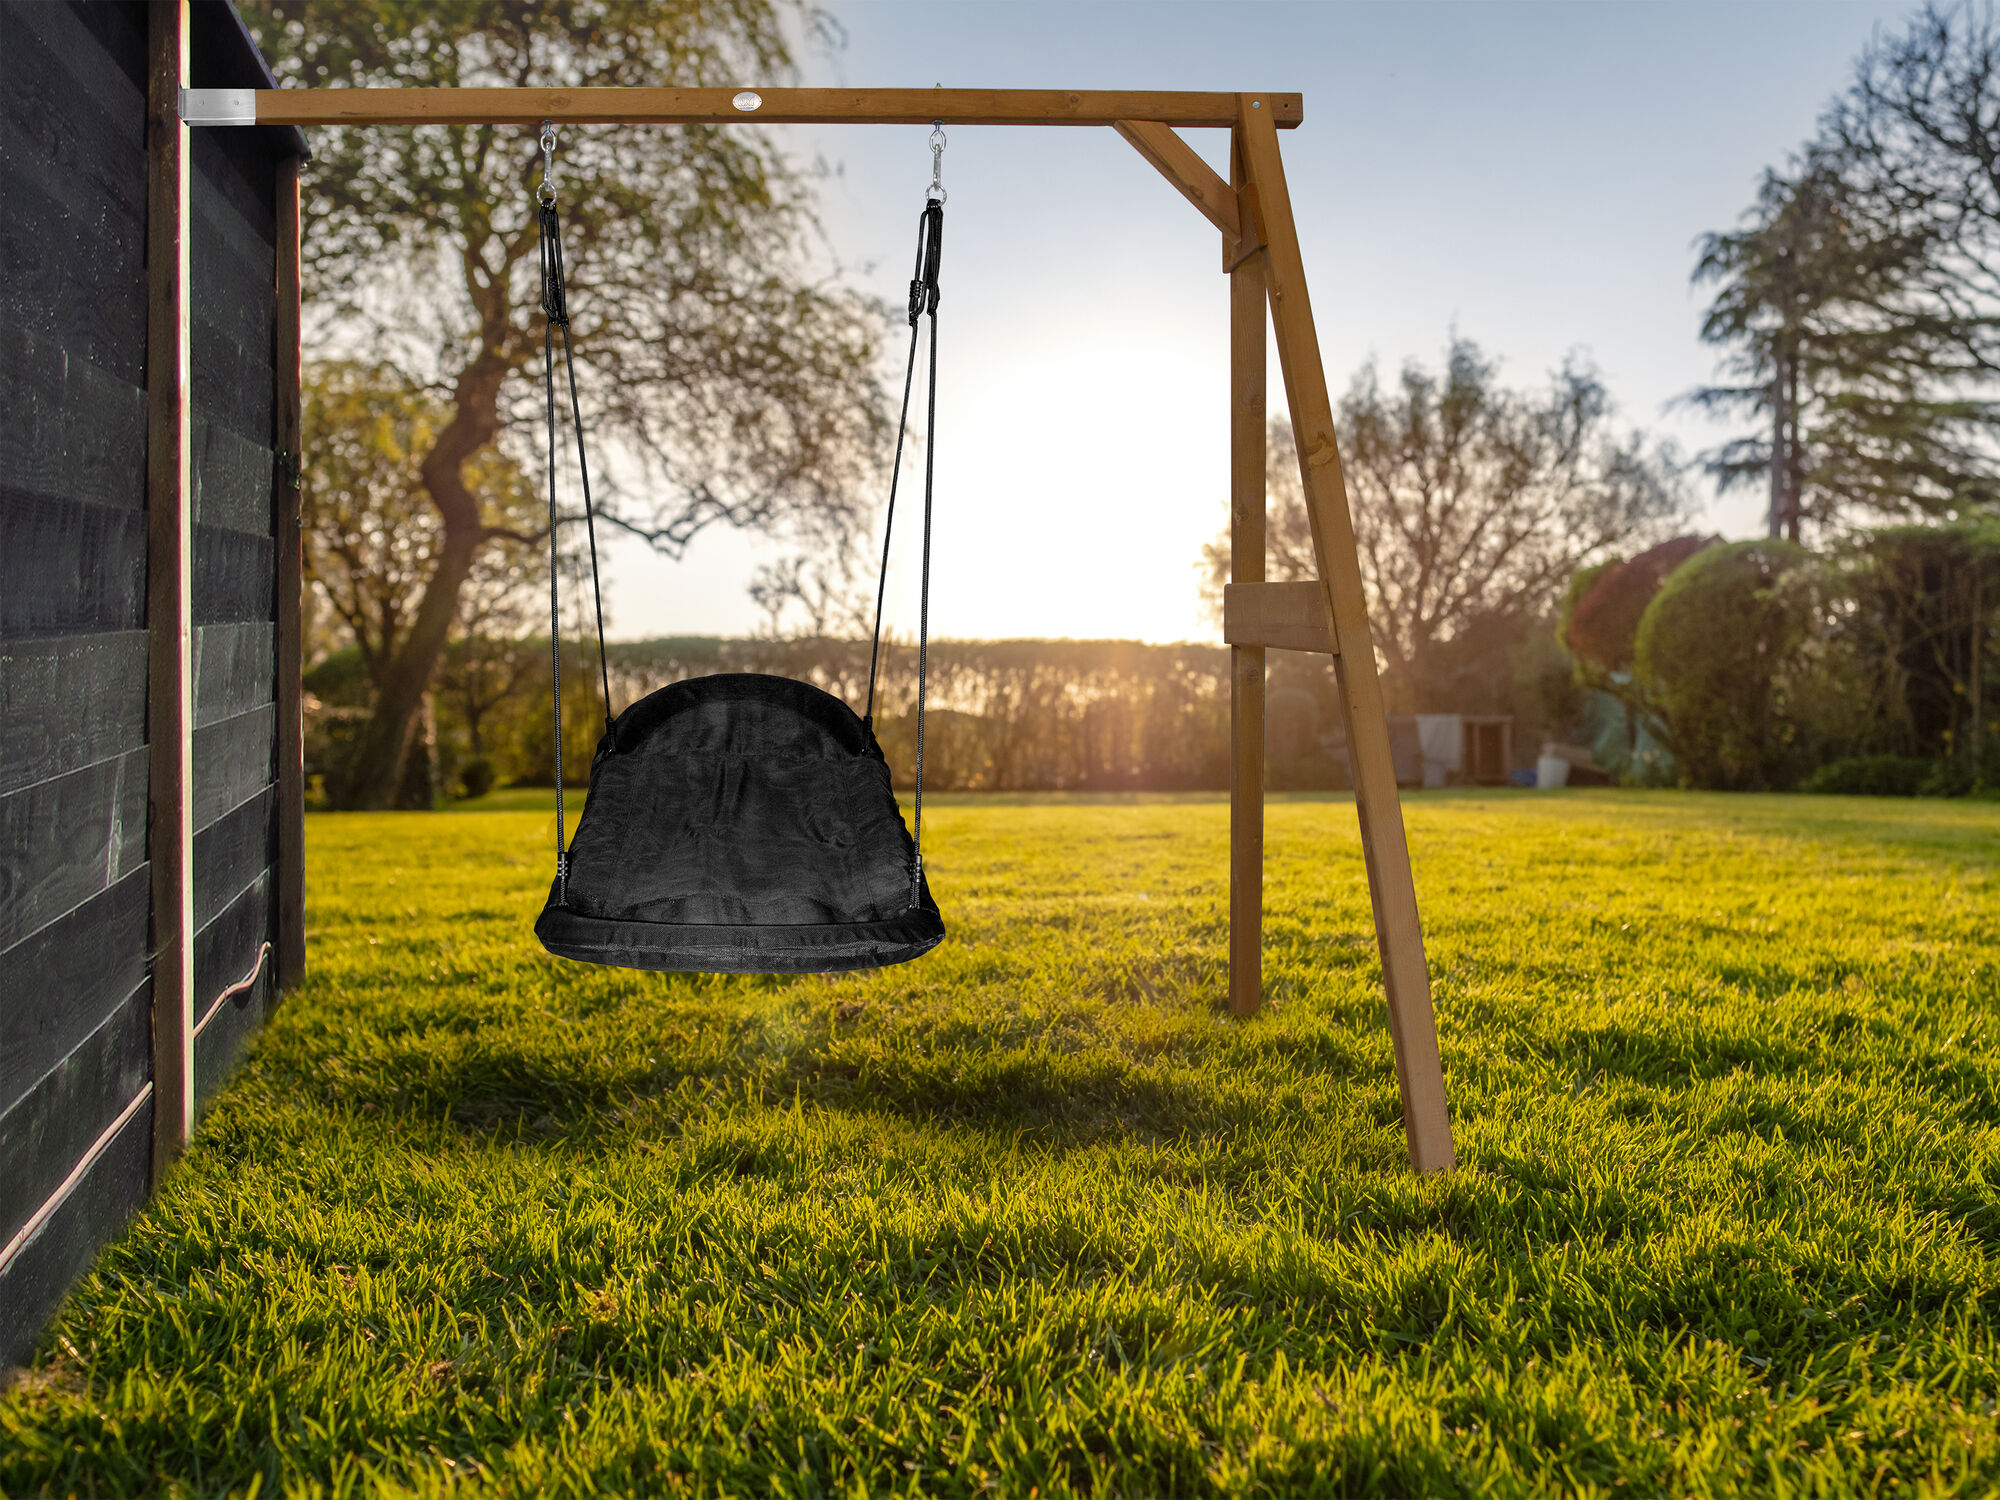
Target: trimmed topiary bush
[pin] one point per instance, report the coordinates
(1603, 609)
(1738, 658)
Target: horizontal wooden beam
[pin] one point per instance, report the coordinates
(1193, 177)
(1289, 616)
(614, 106)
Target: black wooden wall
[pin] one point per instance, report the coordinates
(234, 267)
(75, 942)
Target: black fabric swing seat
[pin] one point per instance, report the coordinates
(741, 824)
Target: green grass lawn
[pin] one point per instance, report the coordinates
(1033, 1214)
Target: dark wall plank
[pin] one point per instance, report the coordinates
(58, 985)
(220, 1045)
(233, 762)
(229, 854)
(244, 170)
(233, 480)
(72, 431)
(70, 701)
(75, 281)
(47, 1133)
(32, 1286)
(232, 313)
(232, 576)
(233, 245)
(226, 949)
(233, 670)
(98, 44)
(237, 222)
(69, 569)
(232, 382)
(226, 952)
(63, 841)
(71, 135)
(69, 106)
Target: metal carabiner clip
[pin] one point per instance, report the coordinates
(546, 193)
(935, 192)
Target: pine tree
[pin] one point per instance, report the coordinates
(1814, 310)
(1859, 303)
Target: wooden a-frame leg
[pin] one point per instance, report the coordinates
(1391, 887)
(1246, 663)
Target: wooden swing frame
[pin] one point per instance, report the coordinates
(1260, 254)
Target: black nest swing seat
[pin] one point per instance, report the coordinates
(740, 823)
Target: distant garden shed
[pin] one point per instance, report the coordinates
(148, 653)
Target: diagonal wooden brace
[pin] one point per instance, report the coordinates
(1177, 162)
(1199, 183)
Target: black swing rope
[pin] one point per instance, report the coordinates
(923, 302)
(555, 310)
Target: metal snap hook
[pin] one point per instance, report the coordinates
(935, 193)
(546, 193)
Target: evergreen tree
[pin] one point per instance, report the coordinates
(1859, 303)
(1813, 310)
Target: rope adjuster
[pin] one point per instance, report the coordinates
(930, 248)
(555, 296)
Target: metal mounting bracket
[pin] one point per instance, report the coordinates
(218, 106)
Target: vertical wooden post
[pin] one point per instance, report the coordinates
(291, 892)
(1246, 663)
(169, 584)
(1391, 887)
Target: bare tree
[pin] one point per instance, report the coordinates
(1473, 504)
(1917, 138)
(372, 537)
(711, 350)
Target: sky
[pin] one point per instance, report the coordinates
(1531, 176)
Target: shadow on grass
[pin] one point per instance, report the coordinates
(1060, 1100)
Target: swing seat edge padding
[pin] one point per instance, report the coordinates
(740, 824)
(821, 948)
